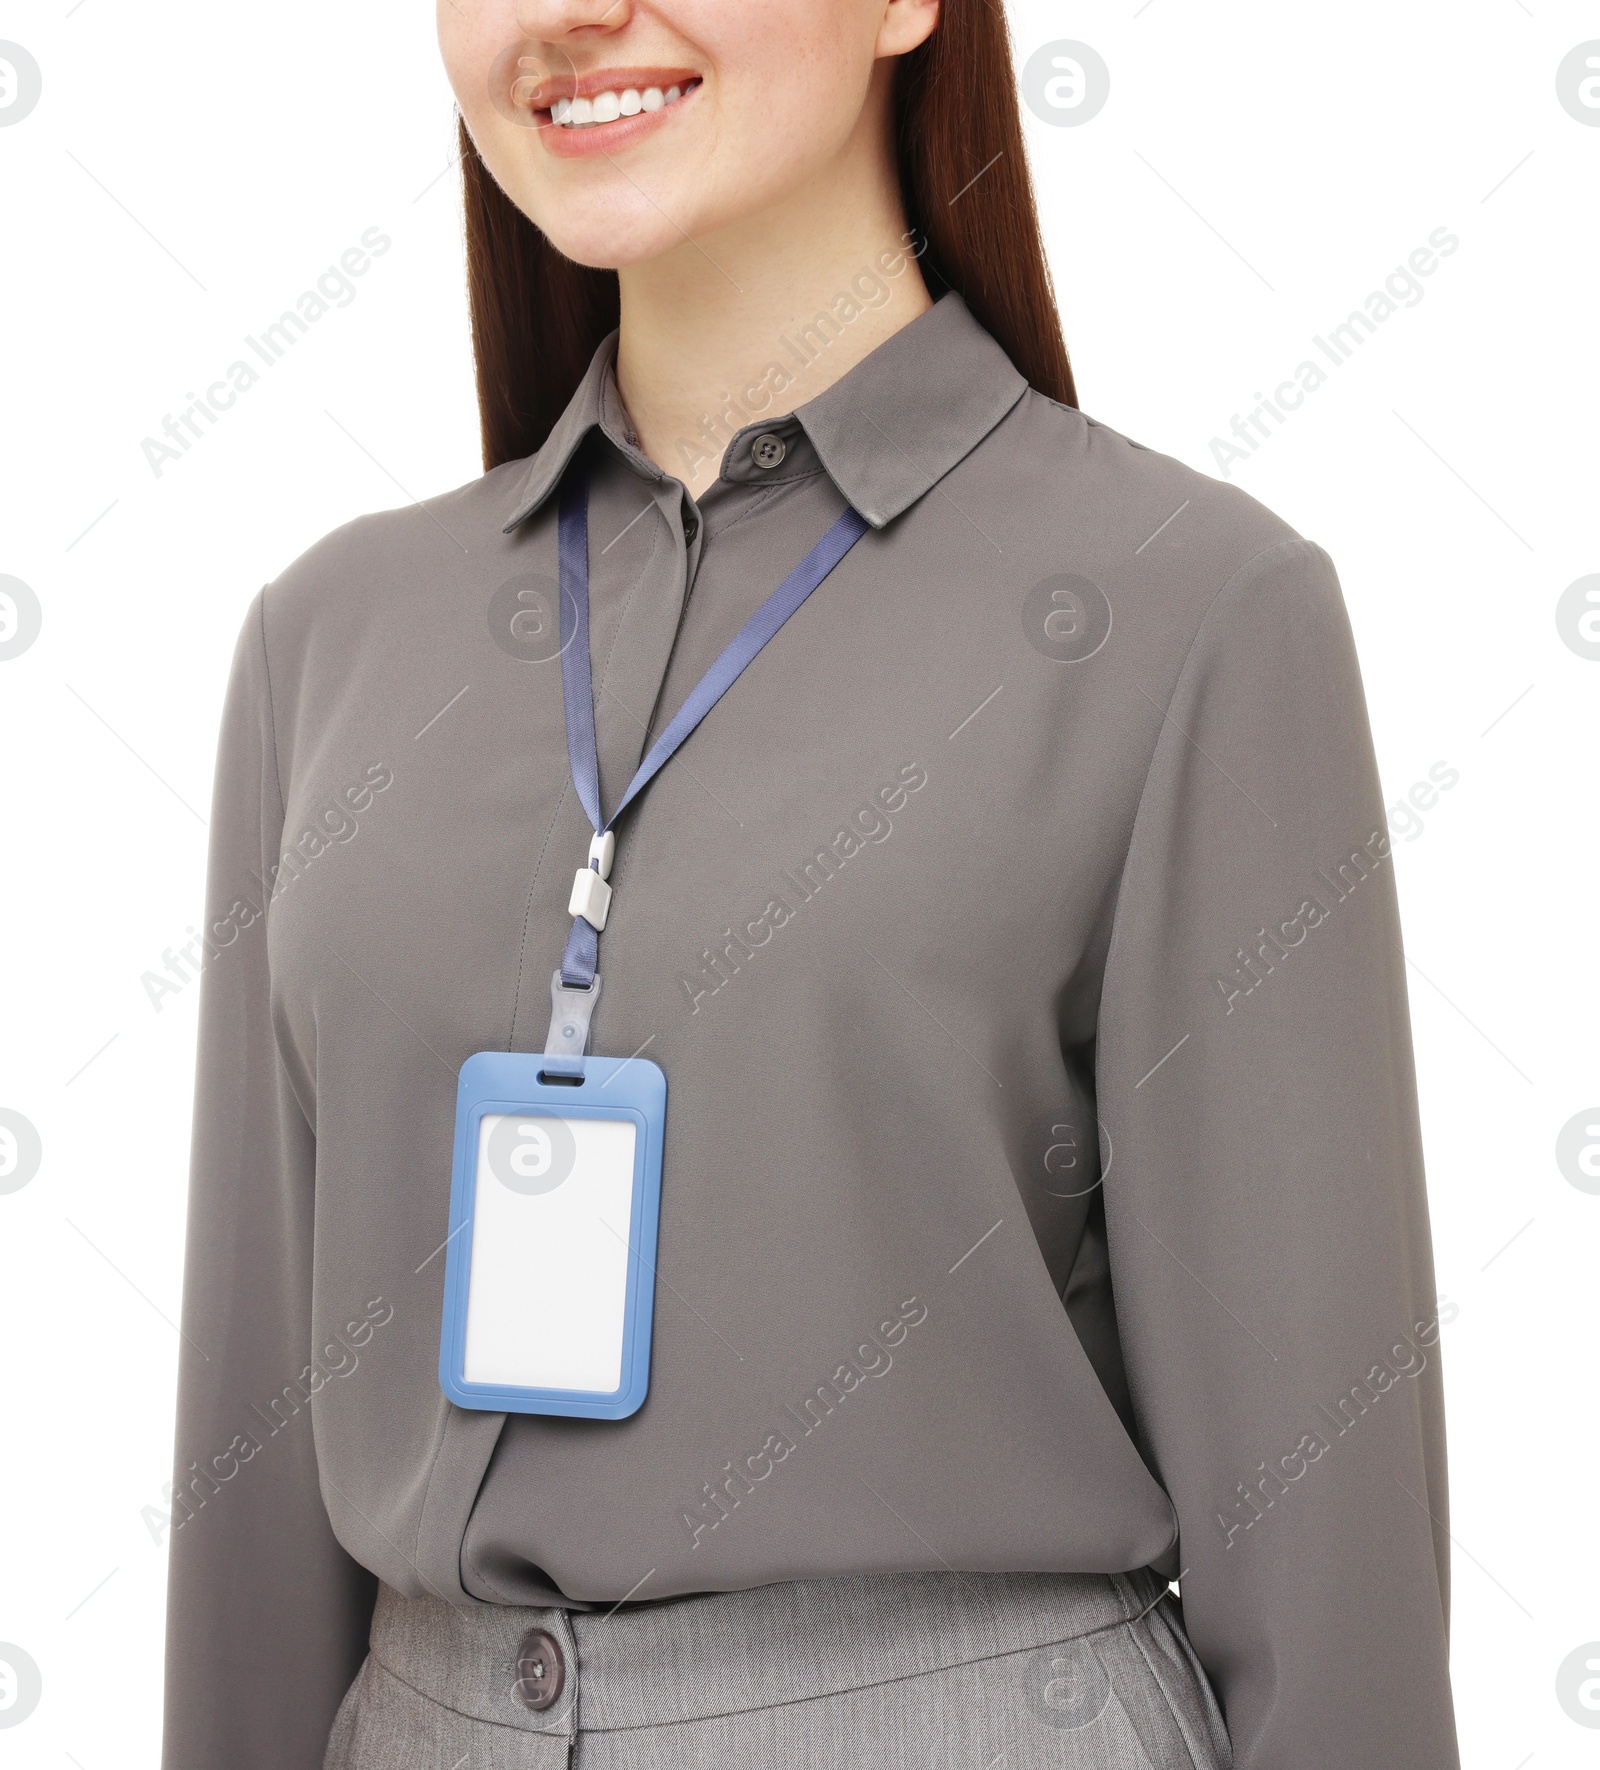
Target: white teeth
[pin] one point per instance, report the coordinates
(606, 107)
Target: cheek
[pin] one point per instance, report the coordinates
(469, 38)
(793, 83)
(484, 59)
(482, 46)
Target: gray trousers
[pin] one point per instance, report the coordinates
(940, 1671)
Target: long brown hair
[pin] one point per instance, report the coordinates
(537, 318)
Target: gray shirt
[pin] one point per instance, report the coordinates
(1042, 1182)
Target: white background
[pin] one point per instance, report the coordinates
(1257, 171)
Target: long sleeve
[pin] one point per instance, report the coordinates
(267, 1614)
(1264, 1194)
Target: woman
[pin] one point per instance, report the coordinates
(1041, 1218)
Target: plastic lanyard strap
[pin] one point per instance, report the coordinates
(579, 961)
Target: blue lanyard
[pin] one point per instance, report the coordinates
(580, 960)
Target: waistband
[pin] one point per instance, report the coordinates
(723, 1653)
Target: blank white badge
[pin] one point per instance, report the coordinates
(547, 1282)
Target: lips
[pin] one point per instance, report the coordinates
(584, 111)
(608, 94)
(607, 109)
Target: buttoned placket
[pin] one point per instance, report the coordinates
(751, 463)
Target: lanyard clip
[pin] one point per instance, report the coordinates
(568, 1038)
(591, 895)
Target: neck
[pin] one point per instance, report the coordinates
(751, 321)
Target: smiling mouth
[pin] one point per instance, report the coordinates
(612, 104)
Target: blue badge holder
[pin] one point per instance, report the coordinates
(546, 1257)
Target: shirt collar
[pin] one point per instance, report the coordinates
(886, 433)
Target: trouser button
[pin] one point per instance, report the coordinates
(541, 1670)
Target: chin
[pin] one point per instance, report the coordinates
(611, 241)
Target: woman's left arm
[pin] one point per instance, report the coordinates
(1264, 1200)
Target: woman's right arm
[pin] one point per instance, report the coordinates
(266, 1614)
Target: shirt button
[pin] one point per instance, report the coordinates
(768, 451)
(541, 1670)
(691, 528)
